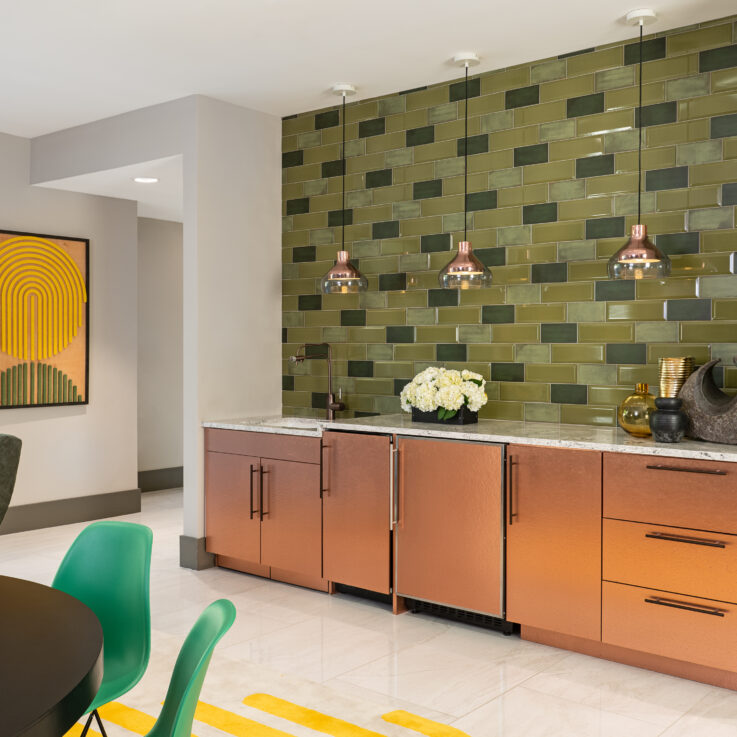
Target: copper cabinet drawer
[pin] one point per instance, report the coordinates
(701, 631)
(263, 445)
(677, 492)
(671, 559)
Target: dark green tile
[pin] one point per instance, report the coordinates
(585, 105)
(451, 351)
(496, 314)
(291, 117)
(380, 178)
(535, 154)
(314, 350)
(337, 218)
(328, 119)
(542, 273)
(303, 254)
(414, 89)
(569, 393)
(299, 206)
(658, 114)
(675, 244)
(332, 168)
(387, 229)
(476, 144)
(595, 166)
(544, 213)
(435, 242)
(457, 90)
(481, 200)
(674, 177)
(507, 371)
(287, 383)
(353, 318)
(442, 297)
(399, 384)
(723, 126)
(651, 50)
(522, 96)
(400, 334)
(418, 136)
(319, 400)
(576, 53)
(721, 58)
(373, 127)
(614, 291)
(309, 301)
(559, 332)
(431, 188)
(284, 335)
(688, 309)
(491, 256)
(729, 194)
(605, 228)
(626, 353)
(292, 158)
(361, 368)
(392, 282)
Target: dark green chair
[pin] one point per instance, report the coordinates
(177, 714)
(107, 568)
(9, 458)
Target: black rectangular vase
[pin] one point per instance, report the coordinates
(463, 416)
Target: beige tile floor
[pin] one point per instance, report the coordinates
(354, 660)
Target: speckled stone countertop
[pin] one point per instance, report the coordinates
(492, 431)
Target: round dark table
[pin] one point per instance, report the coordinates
(50, 659)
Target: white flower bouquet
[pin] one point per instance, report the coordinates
(444, 390)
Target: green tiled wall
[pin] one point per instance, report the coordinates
(552, 183)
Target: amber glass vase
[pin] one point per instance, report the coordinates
(634, 412)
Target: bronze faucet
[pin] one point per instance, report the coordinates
(331, 406)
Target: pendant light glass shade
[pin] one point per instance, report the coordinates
(465, 271)
(343, 277)
(639, 258)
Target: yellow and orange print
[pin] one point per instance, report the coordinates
(43, 320)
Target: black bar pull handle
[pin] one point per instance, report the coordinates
(698, 608)
(686, 539)
(251, 510)
(681, 469)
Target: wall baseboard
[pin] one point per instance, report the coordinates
(192, 553)
(67, 511)
(161, 478)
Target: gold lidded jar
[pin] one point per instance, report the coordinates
(634, 412)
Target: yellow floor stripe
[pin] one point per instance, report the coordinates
(307, 717)
(422, 725)
(76, 730)
(235, 724)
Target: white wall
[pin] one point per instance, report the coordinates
(78, 451)
(160, 396)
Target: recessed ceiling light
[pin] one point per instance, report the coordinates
(146, 180)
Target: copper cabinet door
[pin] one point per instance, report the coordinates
(232, 526)
(449, 527)
(291, 526)
(554, 539)
(356, 510)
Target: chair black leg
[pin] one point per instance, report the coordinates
(99, 723)
(87, 726)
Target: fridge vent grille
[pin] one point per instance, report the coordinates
(459, 615)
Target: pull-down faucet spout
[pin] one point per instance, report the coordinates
(331, 405)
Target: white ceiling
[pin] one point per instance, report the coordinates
(67, 63)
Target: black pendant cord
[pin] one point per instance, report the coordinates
(465, 166)
(639, 142)
(342, 219)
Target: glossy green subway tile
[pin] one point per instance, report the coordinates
(635, 311)
(586, 312)
(656, 332)
(699, 351)
(631, 375)
(558, 373)
(666, 288)
(717, 332)
(531, 353)
(491, 352)
(609, 79)
(524, 392)
(602, 374)
(570, 292)
(539, 254)
(548, 71)
(608, 332)
(539, 412)
(539, 313)
(577, 353)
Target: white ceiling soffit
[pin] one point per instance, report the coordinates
(162, 200)
(67, 63)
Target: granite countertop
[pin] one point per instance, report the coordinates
(583, 437)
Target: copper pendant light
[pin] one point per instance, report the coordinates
(343, 277)
(465, 271)
(639, 258)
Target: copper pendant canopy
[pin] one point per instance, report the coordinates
(464, 271)
(639, 258)
(343, 277)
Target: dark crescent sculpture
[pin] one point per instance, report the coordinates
(712, 414)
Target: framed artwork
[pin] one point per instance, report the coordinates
(44, 320)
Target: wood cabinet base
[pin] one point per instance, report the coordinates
(701, 673)
(275, 574)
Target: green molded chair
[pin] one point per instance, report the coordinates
(107, 568)
(9, 458)
(177, 714)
